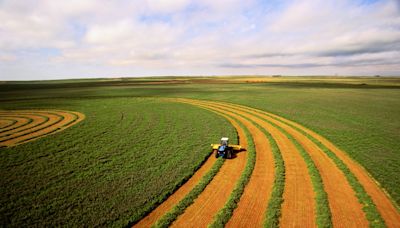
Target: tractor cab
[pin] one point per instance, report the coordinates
(224, 141)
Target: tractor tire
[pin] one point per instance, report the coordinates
(229, 154)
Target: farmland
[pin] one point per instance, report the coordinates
(111, 168)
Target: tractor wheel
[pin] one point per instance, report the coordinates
(229, 154)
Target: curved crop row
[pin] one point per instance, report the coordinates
(369, 207)
(10, 124)
(35, 124)
(309, 152)
(49, 123)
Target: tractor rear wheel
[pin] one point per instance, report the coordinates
(229, 154)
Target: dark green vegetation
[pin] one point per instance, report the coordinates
(179, 208)
(127, 156)
(56, 175)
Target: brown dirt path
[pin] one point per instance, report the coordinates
(385, 206)
(55, 124)
(298, 208)
(177, 196)
(217, 192)
(251, 208)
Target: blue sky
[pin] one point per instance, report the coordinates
(50, 39)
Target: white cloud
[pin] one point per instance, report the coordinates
(208, 37)
(167, 6)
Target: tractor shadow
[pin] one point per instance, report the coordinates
(234, 154)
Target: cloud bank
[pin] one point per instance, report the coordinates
(47, 39)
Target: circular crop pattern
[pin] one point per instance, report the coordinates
(21, 126)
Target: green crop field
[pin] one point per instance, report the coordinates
(125, 158)
(134, 149)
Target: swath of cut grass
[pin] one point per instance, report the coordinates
(223, 216)
(369, 207)
(178, 209)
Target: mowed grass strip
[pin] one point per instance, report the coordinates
(170, 217)
(75, 118)
(275, 202)
(35, 124)
(323, 214)
(369, 207)
(29, 120)
(12, 122)
(223, 216)
(58, 120)
(322, 204)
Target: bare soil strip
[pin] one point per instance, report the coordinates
(217, 192)
(44, 123)
(385, 206)
(298, 208)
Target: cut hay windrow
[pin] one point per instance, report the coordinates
(7, 125)
(356, 176)
(23, 121)
(39, 123)
(257, 177)
(292, 147)
(32, 124)
(217, 192)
